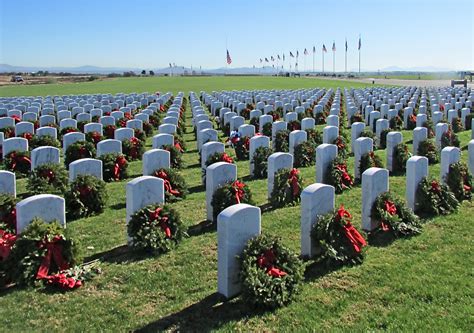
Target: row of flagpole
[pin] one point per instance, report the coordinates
(323, 51)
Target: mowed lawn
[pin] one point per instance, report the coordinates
(424, 283)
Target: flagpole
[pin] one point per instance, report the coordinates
(345, 60)
(323, 59)
(313, 62)
(359, 53)
(333, 59)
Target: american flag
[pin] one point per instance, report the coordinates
(324, 48)
(283, 57)
(272, 59)
(291, 55)
(360, 43)
(305, 51)
(297, 54)
(333, 46)
(266, 59)
(346, 45)
(261, 60)
(278, 56)
(229, 59)
(314, 49)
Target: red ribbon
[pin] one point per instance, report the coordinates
(346, 179)
(227, 158)
(293, 180)
(27, 136)
(435, 187)
(467, 188)
(54, 252)
(7, 240)
(64, 282)
(247, 142)
(350, 232)
(390, 207)
(238, 188)
(10, 218)
(275, 117)
(84, 191)
(412, 118)
(96, 137)
(266, 261)
(342, 213)
(167, 184)
(120, 162)
(18, 159)
(178, 146)
(162, 220)
(48, 174)
(16, 118)
(339, 143)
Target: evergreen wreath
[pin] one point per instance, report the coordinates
(320, 117)
(468, 121)
(457, 125)
(78, 150)
(154, 119)
(226, 129)
(133, 148)
(86, 196)
(396, 123)
(8, 213)
(8, 132)
(109, 131)
(156, 229)
(369, 160)
(294, 125)
(383, 138)
(242, 147)
(214, 158)
(94, 137)
(114, 166)
(282, 141)
(434, 198)
(287, 187)
(394, 216)
(41, 250)
(459, 181)
(304, 154)
(139, 134)
(255, 121)
(50, 178)
(18, 162)
(270, 273)
(338, 176)
(43, 140)
(67, 130)
(430, 127)
(338, 241)
(80, 125)
(176, 156)
(28, 136)
(449, 139)
(342, 148)
(315, 137)
(260, 162)
(411, 122)
(427, 148)
(245, 113)
(357, 118)
(267, 129)
(229, 194)
(179, 143)
(147, 128)
(401, 154)
(276, 115)
(174, 184)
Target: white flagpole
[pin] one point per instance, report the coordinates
(313, 62)
(323, 59)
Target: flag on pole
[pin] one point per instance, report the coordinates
(324, 48)
(266, 59)
(170, 65)
(360, 43)
(229, 59)
(272, 59)
(297, 54)
(305, 51)
(314, 49)
(333, 46)
(283, 57)
(261, 60)
(278, 56)
(346, 45)
(291, 55)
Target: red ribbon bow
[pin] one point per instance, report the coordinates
(84, 191)
(178, 146)
(120, 162)
(435, 186)
(18, 159)
(238, 188)
(167, 184)
(266, 261)
(10, 218)
(350, 232)
(64, 282)
(7, 240)
(227, 158)
(412, 118)
(346, 179)
(293, 180)
(162, 220)
(48, 174)
(96, 137)
(54, 252)
(390, 207)
(467, 188)
(27, 136)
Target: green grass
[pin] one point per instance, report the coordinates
(424, 283)
(173, 84)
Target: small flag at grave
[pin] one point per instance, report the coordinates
(278, 56)
(229, 59)
(297, 54)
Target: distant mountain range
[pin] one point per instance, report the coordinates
(181, 70)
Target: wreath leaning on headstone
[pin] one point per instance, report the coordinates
(394, 216)
(457, 125)
(338, 176)
(8, 212)
(383, 138)
(287, 187)
(427, 148)
(133, 148)
(267, 129)
(229, 194)
(401, 154)
(43, 140)
(449, 139)
(369, 160)
(342, 147)
(260, 162)
(270, 273)
(396, 123)
(50, 178)
(176, 156)
(282, 143)
(86, 196)
(79, 150)
(304, 154)
(156, 229)
(214, 158)
(314, 136)
(18, 162)
(109, 131)
(174, 184)
(459, 181)
(94, 137)
(338, 241)
(114, 166)
(8, 132)
(434, 198)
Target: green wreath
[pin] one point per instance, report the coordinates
(369, 160)
(427, 148)
(287, 187)
(457, 125)
(255, 122)
(79, 150)
(314, 136)
(383, 138)
(459, 181)
(434, 198)
(50, 178)
(411, 122)
(449, 139)
(320, 117)
(27, 255)
(18, 162)
(304, 154)
(8, 132)
(43, 140)
(282, 143)
(401, 154)
(139, 134)
(8, 212)
(81, 125)
(86, 196)
(396, 123)
(154, 119)
(147, 128)
(342, 147)
(241, 148)
(176, 156)
(430, 127)
(294, 125)
(109, 131)
(338, 241)
(133, 148)
(270, 273)
(114, 166)
(394, 216)
(94, 137)
(357, 118)
(245, 113)
(260, 162)
(156, 229)
(229, 194)
(338, 176)
(67, 130)
(267, 129)
(367, 133)
(174, 184)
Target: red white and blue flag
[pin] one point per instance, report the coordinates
(229, 59)
(333, 46)
(305, 51)
(291, 55)
(324, 48)
(360, 43)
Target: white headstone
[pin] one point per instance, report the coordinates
(7, 182)
(374, 183)
(217, 175)
(85, 166)
(256, 142)
(325, 154)
(109, 146)
(393, 139)
(419, 134)
(47, 207)
(14, 144)
(277, 161)
(295, 138)
(44, 155)
(362, 146)
(143, 191)
(449, 155)
(155, 159)
(70, 138)
(161, 140)
(417, 168)
(356, 129)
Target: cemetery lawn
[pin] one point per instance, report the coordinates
(424, 283)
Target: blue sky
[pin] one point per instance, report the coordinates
(151, 34)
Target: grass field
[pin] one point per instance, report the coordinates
(423, 283)
(173, 84)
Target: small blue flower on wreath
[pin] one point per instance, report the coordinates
(234, 138)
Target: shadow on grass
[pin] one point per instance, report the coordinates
(266, 207)
(380, 239)
(192, 166)
(197, 188)
(319, 268)
(202, 228)
(120, 205)
(120, 254)
(6, 288)
(210, 313)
